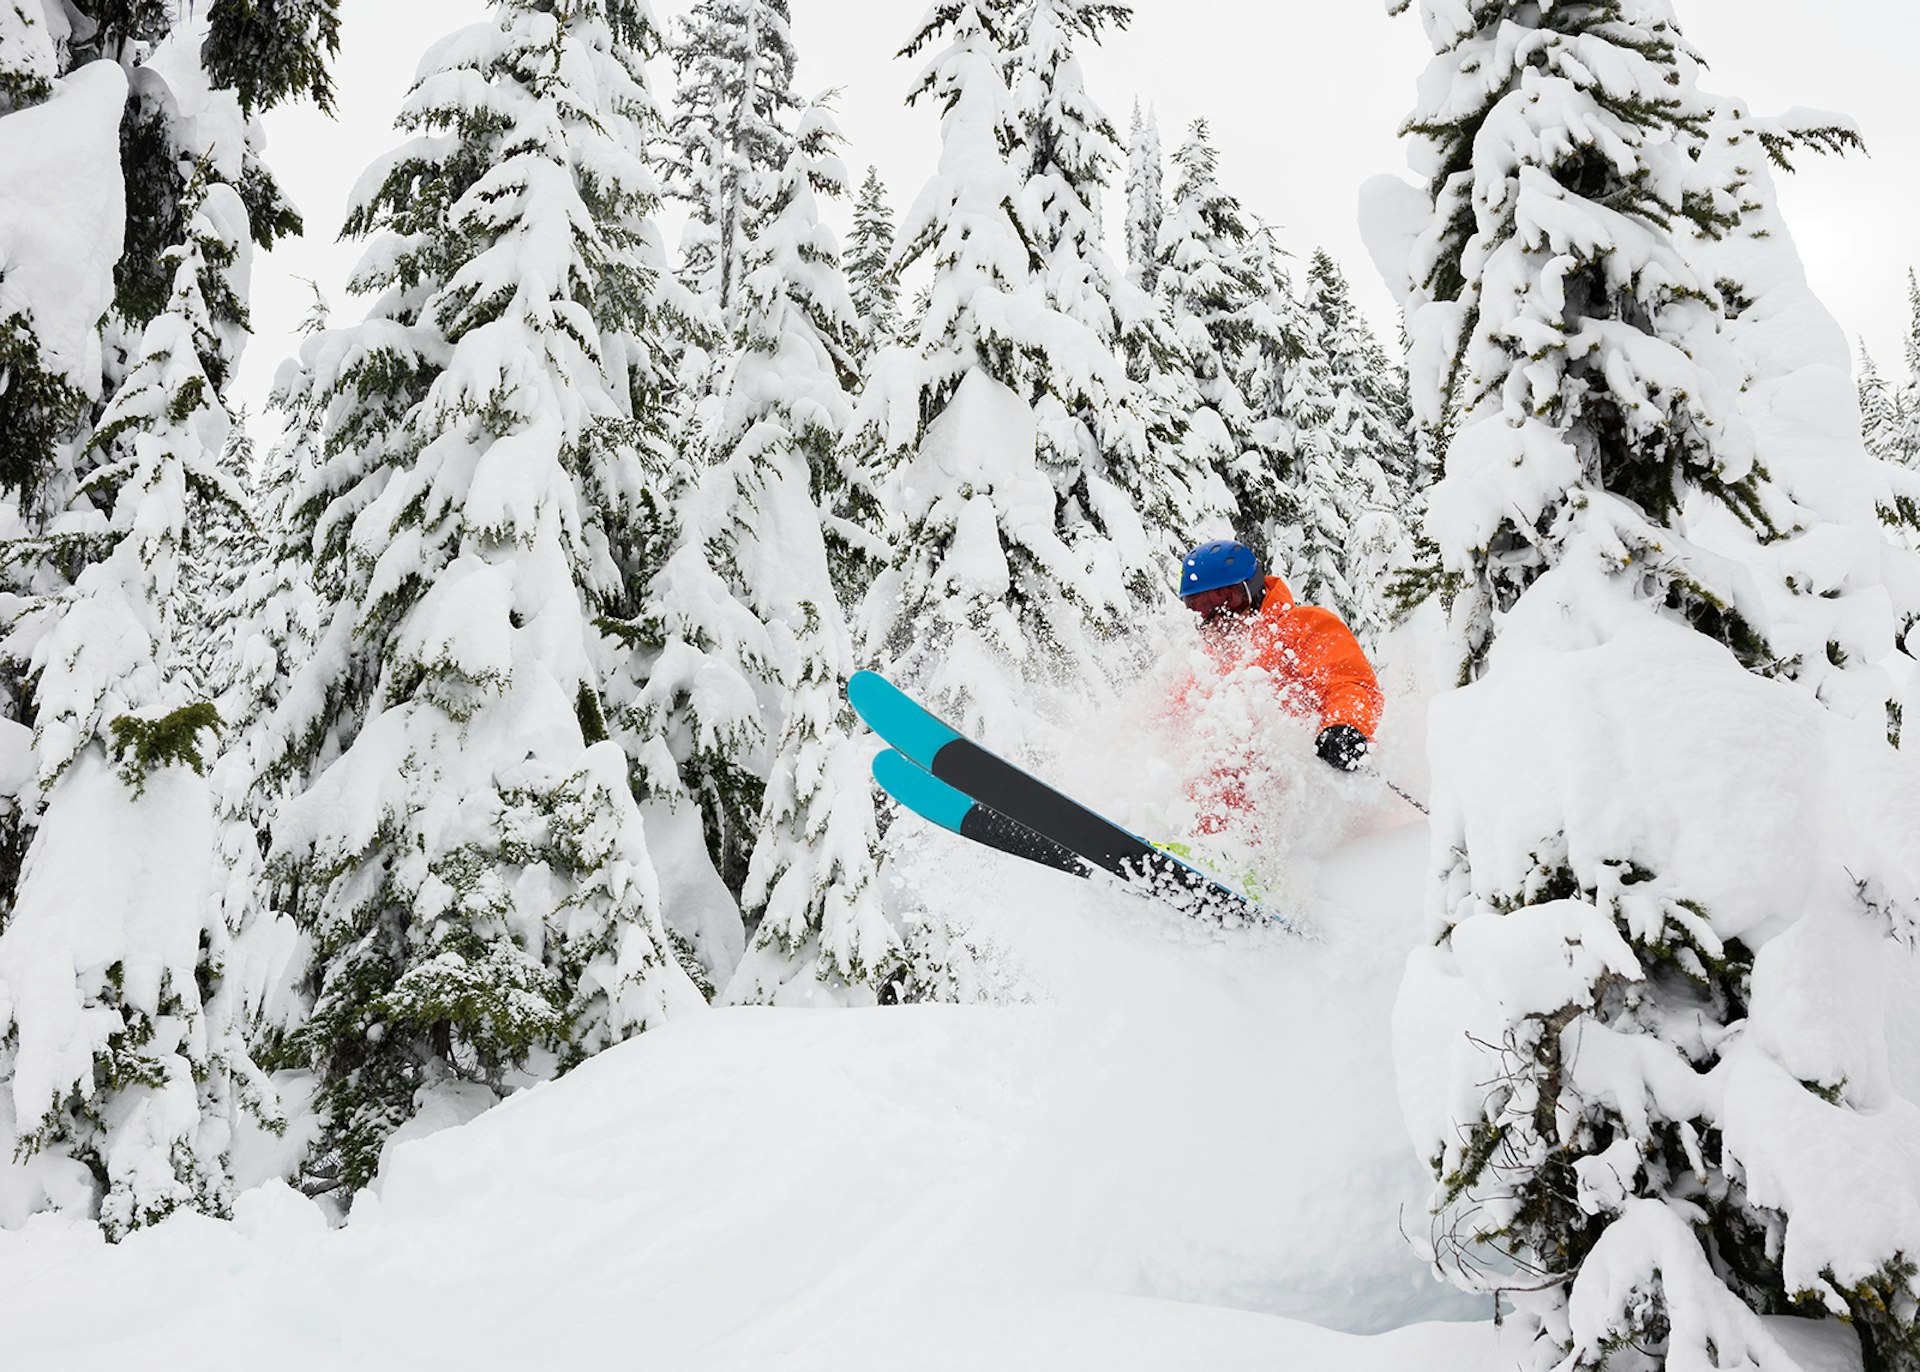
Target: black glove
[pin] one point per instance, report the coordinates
(1343, 746)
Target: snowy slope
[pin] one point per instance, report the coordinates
(1201, 1164)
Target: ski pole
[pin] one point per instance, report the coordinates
(1398, 791)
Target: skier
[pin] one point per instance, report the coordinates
(1248, 619)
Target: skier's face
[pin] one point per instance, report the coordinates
(1216, 605)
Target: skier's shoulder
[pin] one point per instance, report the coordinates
(1316, 619)
(1302, 624)
(1281, 611)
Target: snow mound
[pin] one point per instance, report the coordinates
(1182, 1149)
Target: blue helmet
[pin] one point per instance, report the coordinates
(1223, 562)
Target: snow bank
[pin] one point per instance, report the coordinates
(1585, 741)
(1184, 1147)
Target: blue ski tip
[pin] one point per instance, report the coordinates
(897, 717)
(920, 790)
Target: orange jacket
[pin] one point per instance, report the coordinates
(1311, 654)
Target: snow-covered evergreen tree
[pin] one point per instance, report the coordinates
(1890, 414)
(181, 111)
(876, 291)
(50, 338)
(178, 126)
(1309, 489)
(123, 1046)
(1101, 435)
(1182, 431)
(462, 845)
(1312, 549)
(144, 1096)
(1034, 510)
(1217, 277)
(219, 550)
(700, 672)
(729, 136)
(1368, 423)
(1319, 501)
(59, 136)
(1146, 206)
(1376, 411)
(262, 627)
(981, 570)
(1660, 460)
(810, 885)
(747, 606)
(1909, 395)
(193, 83)
(1880, 411)
(1633, 1080)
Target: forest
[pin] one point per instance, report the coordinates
(493, 713)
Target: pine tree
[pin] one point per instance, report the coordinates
(1323, 508)
(1829, 625)
(1302, 500)
(1036, 507)
(1377, 411)
(185, 124)
(1182, 431)
(262, 629)
(982, 575)
(1880, 411)
(112, 426)
(1369, 425)
(50, 336)
(263, 53)
(29, 55)
(876, 290)
(729, 135)
(1145, 208)
(1022, 463)
(218, 551)
(146, 1099)
(1216, 279)
(1522, 542)
(1312, 551)
(811, 886)
(747, 599)
(1912, 346)
(461, 844)
(708, 671)
(1100, 434)
(1611, 1002)
(1903, 444)
(699, 667)
(1890, 428)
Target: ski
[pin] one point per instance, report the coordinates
(932, 799)
(977, 785)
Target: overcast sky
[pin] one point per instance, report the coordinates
(1304, 101)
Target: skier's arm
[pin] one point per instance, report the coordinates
(1337, 670)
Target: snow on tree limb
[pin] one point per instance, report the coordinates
(467, 855)
(1650, 467)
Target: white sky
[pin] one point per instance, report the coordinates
(1304, 101)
